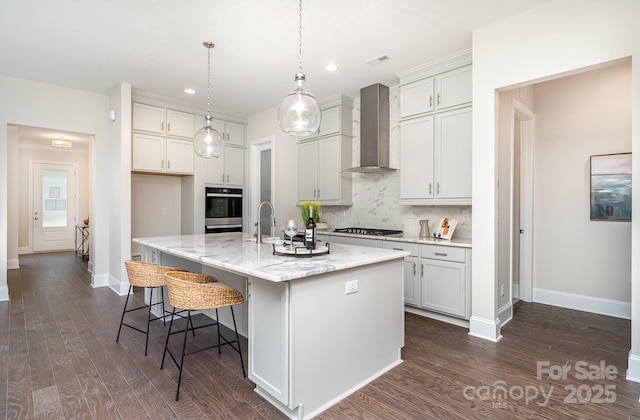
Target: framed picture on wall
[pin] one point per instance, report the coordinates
(611, 187)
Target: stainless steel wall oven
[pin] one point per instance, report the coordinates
(223, 210)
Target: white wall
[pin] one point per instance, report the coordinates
(555, 39)
(24, 102)
(576, 117)
(149, 195)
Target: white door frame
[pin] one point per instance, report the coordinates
(74, 200)
(526, 118)
(255, 148)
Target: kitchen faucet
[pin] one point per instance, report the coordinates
(259, 233)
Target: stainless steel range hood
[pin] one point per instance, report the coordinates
(374, 130)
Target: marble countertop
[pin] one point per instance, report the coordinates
(458, 242)
(239, 253)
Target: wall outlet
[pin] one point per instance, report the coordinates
(465, 215)
(502, 290)
(351, 287)
(164, 211)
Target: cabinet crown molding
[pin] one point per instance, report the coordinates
(335, 100)
(460, 59)
(196, 109)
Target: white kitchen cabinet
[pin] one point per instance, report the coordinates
(232, 133)
(159, 120)
(161, 154)
(435, 159)
(337, 117)
(411, 270)
(228, 169)
(442, 91)
(320, 164)
(445, 280)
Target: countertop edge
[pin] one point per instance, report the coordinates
(461, 243)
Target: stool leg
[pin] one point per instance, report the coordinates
(164, 322)
(184, 348)
(126, 302)
(146, 343)
(218, 325)
(244, 374)
(166, 343)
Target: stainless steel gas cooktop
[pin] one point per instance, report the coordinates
(369, 231)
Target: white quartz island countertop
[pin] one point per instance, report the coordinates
(239, 253)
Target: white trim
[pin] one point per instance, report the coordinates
(13, 264)
(4, 293)
(120, 287)
(24, 250)
(255, 147)
(616, 308)
(485, 328)
(101, 280)
(633, 372)
(437, 316)
(505, 314)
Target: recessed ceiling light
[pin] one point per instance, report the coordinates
(189, 91)
(331, 67)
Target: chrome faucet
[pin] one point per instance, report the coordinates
(259, 233)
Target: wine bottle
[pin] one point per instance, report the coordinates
(310, 231)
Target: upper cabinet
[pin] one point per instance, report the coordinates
(158, 120)
(435, 133)
(322, 158)
(161, 154)
(439, 92)
(232, 133)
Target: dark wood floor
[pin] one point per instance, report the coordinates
(59, 359)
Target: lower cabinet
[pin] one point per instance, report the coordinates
(411, 271)
(445, 281)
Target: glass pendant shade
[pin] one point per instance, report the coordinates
(299, 113)
(207, 142)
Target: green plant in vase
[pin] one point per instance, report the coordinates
(304, 210)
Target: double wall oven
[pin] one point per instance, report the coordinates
(223, 210)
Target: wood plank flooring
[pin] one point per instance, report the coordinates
(59, 360)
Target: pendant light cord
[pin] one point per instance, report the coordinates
(300, 36)
(208, 45)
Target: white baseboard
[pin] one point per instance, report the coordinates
(13, 264)
(24, 250)
(505, 314)
(584, 303)
(121, 288)
(633, 372)
(4, 293)
(438, 317)
(99, 280)
(485, 328)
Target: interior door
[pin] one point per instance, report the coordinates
(54, 206)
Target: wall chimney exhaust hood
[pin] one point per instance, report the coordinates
(374, 130)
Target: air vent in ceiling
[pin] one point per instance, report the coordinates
(377, 60)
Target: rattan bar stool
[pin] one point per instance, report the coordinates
(147, 275)
(195, 292)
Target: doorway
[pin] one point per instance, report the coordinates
(261, 183)
(54, 204)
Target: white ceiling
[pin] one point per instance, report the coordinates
(156, 45)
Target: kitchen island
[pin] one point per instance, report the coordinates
(318, 328)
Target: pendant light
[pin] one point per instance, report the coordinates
(299, 112)
(207, 142)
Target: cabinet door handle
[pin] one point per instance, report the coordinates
(318, 192)
(414, 269)
(438, 99)
(430, 188)
(162, 126)
(438, 188)
(223, 178)
(162, 164)
(440, 254)
(227, 178)
(168, 127)
(430, 101)
(421, 270)
(400, 249)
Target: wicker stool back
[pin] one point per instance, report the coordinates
(194, 292)
(142, 274)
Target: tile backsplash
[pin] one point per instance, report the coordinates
(376, 196)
